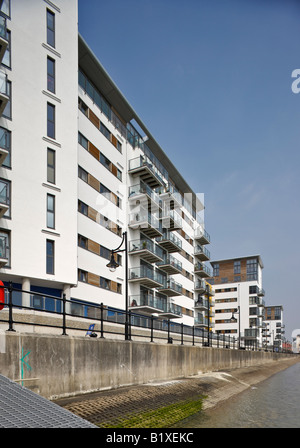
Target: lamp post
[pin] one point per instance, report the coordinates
(233, 320)
(113, 265)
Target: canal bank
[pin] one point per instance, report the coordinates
(164, 404)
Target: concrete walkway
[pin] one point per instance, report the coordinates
(120, 407)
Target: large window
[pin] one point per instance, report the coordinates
(252, 269)
(51, 166)
(50, 120)
(216, 268)
(237, 267)
(7, 55)
(50, 257)
(50, 28)
(51, 75)
(50, 211)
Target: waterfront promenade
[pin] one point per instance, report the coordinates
(163, 404)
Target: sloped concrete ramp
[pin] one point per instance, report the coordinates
(22, 408)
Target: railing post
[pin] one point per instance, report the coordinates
(169, 339)
(64, 333)
(101, 322)
(193, 334)
(129, 325)
(181, 333)
(151, 340)
(10, 307)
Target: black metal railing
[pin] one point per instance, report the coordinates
(108, 321)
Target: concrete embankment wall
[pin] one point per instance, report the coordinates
(62, 366)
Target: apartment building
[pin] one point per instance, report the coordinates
(273, 330)
(79, 171)
(239, 303)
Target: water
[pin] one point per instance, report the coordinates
(273, 403)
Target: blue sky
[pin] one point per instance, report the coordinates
(211, 80)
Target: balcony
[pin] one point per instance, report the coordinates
(147, 303)
(4, 251)
(261, 292)
(171, 288)
(145, 221)
(200, 287)
(170, 265)
(146, 170)
(3, 37)
(146, 249)
(202, 270)
(201, 253)
(170, 197)
(172, 311)
(201, 321)
(171, 220)
(201, 304)
(4, 198)
(4, 98)
(201, 235)
(4, 145)
(147, 197)
(146, 276)
(170, 242)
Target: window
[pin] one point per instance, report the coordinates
(237, 267)
(50, 28)
(105, 283)
(51, 75)
(5, 143)
(82, 242)
(82, 174)
(105, 131)
(51, 166)
(50, 120)
(82, 208)
(82, 141)
(216, 270)
(50, 211)
(82, 276)
(50, 257)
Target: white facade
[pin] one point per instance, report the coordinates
(239, 305)
(75, 183)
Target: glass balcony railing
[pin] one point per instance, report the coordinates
(202, 270)
(146, 275)
(170, 264)
(202, 253)
(201, 303)
(201, 235)
(144, 246)
(170, 241)
(200, 285)
(148, 300)
(142, 189)
(201, 321)
(142, 165)
(171, 220)
(143, 219)
(170, 287)
(3, 28)
(172, 310)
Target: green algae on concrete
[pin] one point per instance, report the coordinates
(162, 417)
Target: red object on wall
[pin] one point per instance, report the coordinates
(2, 298)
